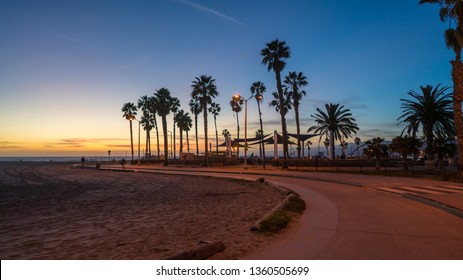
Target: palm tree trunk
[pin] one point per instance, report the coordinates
(206, 154)
(196, 134)
(157, 138)
(181, 143)
(166, 144)
(131, 137)
(331, 144)
(262, 131)
(457, 76)
(298, 130)
(173, 144)
(216, 137)
(282, 116)
(187, 142)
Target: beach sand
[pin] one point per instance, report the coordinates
(54, 211)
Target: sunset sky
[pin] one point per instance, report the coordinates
(67, 67)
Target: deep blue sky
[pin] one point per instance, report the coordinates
(67, 67)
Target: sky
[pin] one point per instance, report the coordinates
(67, 67)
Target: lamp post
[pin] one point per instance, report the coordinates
(237, 97)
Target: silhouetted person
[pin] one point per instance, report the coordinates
(123, 163)
(82, 160)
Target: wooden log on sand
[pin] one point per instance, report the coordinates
(200, 253)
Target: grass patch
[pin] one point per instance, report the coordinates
(296, 205)
(275, 223)
(281, 218)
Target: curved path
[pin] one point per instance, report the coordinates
(348, 222)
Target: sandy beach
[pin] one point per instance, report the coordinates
(54, 211)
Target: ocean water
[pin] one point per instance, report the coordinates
(57, 159)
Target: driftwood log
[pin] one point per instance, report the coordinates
(200, 253)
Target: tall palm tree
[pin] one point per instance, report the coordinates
(205, 90)
(215, 110)
(295, 81)
(144, 104)
(260, 135)
(452, 10)
(186, 125)
(165, 103)
(179, 119)
(175, 108)
(153, 111)
(336, 122)
(147, 123)
(258, 89)
(432, 110)
(196, 109)
(129, 112)
(274, 55)
(237, 106)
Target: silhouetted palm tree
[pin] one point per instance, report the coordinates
(196, 109)
(237, 106)
(186, 125)
(432, 110)
(357, 142)
(295, 81)
(452, 10)
(153, 112)
(405, 145)
(336, 122)
(175, 108)
(129, 112)
(215, 110)
(205, 90)
(144, 103)
(376, 148)
(165, 103)
(258, 89)
(274, 55)
(179, 119)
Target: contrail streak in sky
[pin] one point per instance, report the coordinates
(60, 35)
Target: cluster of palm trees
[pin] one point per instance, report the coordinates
(433, 111)
(162, 103)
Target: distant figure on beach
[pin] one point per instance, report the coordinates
(83, 161)
(123, 163)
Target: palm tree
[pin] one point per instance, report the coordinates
(295, 81)
(144, 104)
(376, 148)
(237, 106)
(336, 122)
(286, 106)
(205, 90)
(153, 111)
(186, 125)
(129, 112)
(258, 89)
(405, 145)
(432, 110)
(308, 148)
(215, 110)
(196, 109)
(179, 119)
(452, 10)
(274, 55)
(260, 135)
(165, 104)
(175, 107)
(327, 144)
